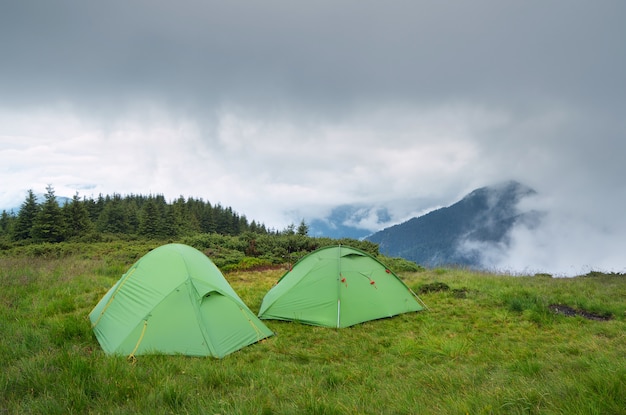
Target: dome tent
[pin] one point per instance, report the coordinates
(338, 286)
(174, 300)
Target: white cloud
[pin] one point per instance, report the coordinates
(262, 168)
(566, 245)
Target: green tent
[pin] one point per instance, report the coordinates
(174, 300)
(338, 286)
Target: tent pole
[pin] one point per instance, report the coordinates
(418, 298)
(339, 287)
(338, 312)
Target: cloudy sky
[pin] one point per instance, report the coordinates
(284, 109)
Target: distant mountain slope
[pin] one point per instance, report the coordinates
(483, 217)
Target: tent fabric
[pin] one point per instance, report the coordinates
(338, 286)
(174, 300)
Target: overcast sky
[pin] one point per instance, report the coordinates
(284, 109)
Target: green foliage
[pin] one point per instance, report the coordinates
(114, 217)
(151, 219)
(237, 252)
(248, 264)
(225, 236)
(49, 224)
(124, 217)
(26, 218)
(77, 219)
(303, 228)
(400, 264)
(433, 287)
(6, 226)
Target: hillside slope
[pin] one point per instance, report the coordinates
(484, 217)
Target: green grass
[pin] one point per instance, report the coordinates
(488, 344)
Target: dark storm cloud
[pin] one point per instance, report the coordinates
(310, 105)
(317, 55)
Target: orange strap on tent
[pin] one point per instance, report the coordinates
(372, 282)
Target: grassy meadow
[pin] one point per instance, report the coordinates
(487, 344)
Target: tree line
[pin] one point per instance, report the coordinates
(50, 228)
(87, 219)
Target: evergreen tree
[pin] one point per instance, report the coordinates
(194, 215)
(92, 209)
(95, 209)
(235, 223)
(150, 220)
(49, 224)
(179, 217)
(114, 218)
(290, 229)
(303, 228)
(26, 217)
(222, 220)
(133, 215)
(207, 219)
(151, 216)
(77, 218)
(6, 224)
(253, 227)
(170, 226)
(243, 225)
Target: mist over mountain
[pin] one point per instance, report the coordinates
(469, 233)
(40, 197)
(350, 221)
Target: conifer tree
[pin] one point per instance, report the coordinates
(133, 214)
(96, 207)
(26, 217)
(178, 217)
(114, 216)
(49, 224)
(207, 219)
(224, 220)
(77, 218)
(303, 228)
(149, 221)
(290, 229)
(170, 226)
(6, 224)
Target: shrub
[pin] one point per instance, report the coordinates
(249, 264)
(401, 264)
(433, 287)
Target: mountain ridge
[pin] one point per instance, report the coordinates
(460, 234)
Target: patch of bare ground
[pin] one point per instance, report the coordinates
(573, 312)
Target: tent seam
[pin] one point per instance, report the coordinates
(112, 297)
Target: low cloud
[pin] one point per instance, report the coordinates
(563, 242)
